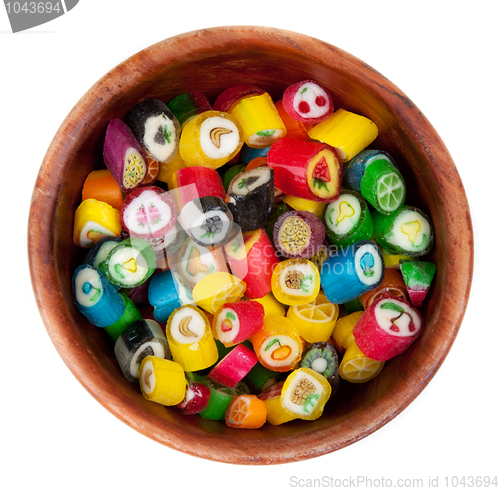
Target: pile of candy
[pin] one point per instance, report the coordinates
(246, 256)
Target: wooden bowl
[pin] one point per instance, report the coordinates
(209, 61)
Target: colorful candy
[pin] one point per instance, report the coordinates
(305, 393)
(148, 212)
(392, 285)
(322, 357)
(210, 139)
(162, 380)
(306, 169)
(102, 186)
(124, 156)
(354, 170)
(237, 321)
(250, 198)
(276, 414)
(417, 277)
(352, 271)
(407, 231)
(187, 105)
(190, 338)
(140, 339)
(347, 220)
(347, 132)
(246, 411)
(207, 221)
(234, 366)
(298, 234)
(130, 263)
(314, 320)
(295, 282)
(93, 221)
(260, 120)
(308, 102)
(277, 344)
(95, 297)
(387, 328)
(252, 257)
(156, 129)
(196, 398)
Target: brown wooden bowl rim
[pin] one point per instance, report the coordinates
(219, 447)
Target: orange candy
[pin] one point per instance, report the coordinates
(246, 411)
(102, 186)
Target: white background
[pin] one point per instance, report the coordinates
(443, 54)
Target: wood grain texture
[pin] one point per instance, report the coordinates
(210, 61)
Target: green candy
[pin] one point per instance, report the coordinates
(130, 315)
(261, 377)
(347, 220)
(220, 398)
(407, 231)
(418, 276)
(383, 186)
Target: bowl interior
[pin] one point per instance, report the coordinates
(209, 61)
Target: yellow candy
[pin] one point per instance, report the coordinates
(162, 381)
(190, 338)
(93, 221)
(271, 305)
(305, 394)
(216, 289)
(355, 366)
(315, 207)
(391, 260)
(347, 132)
(315, 320)
(210, 139)
(260, 120)
(167, 170)
(276, 413)
(295, 281)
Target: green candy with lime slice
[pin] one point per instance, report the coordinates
(383, 186)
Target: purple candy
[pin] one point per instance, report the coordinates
(298, 234)
(123, 156)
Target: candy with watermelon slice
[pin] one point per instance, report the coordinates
(418, 276)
